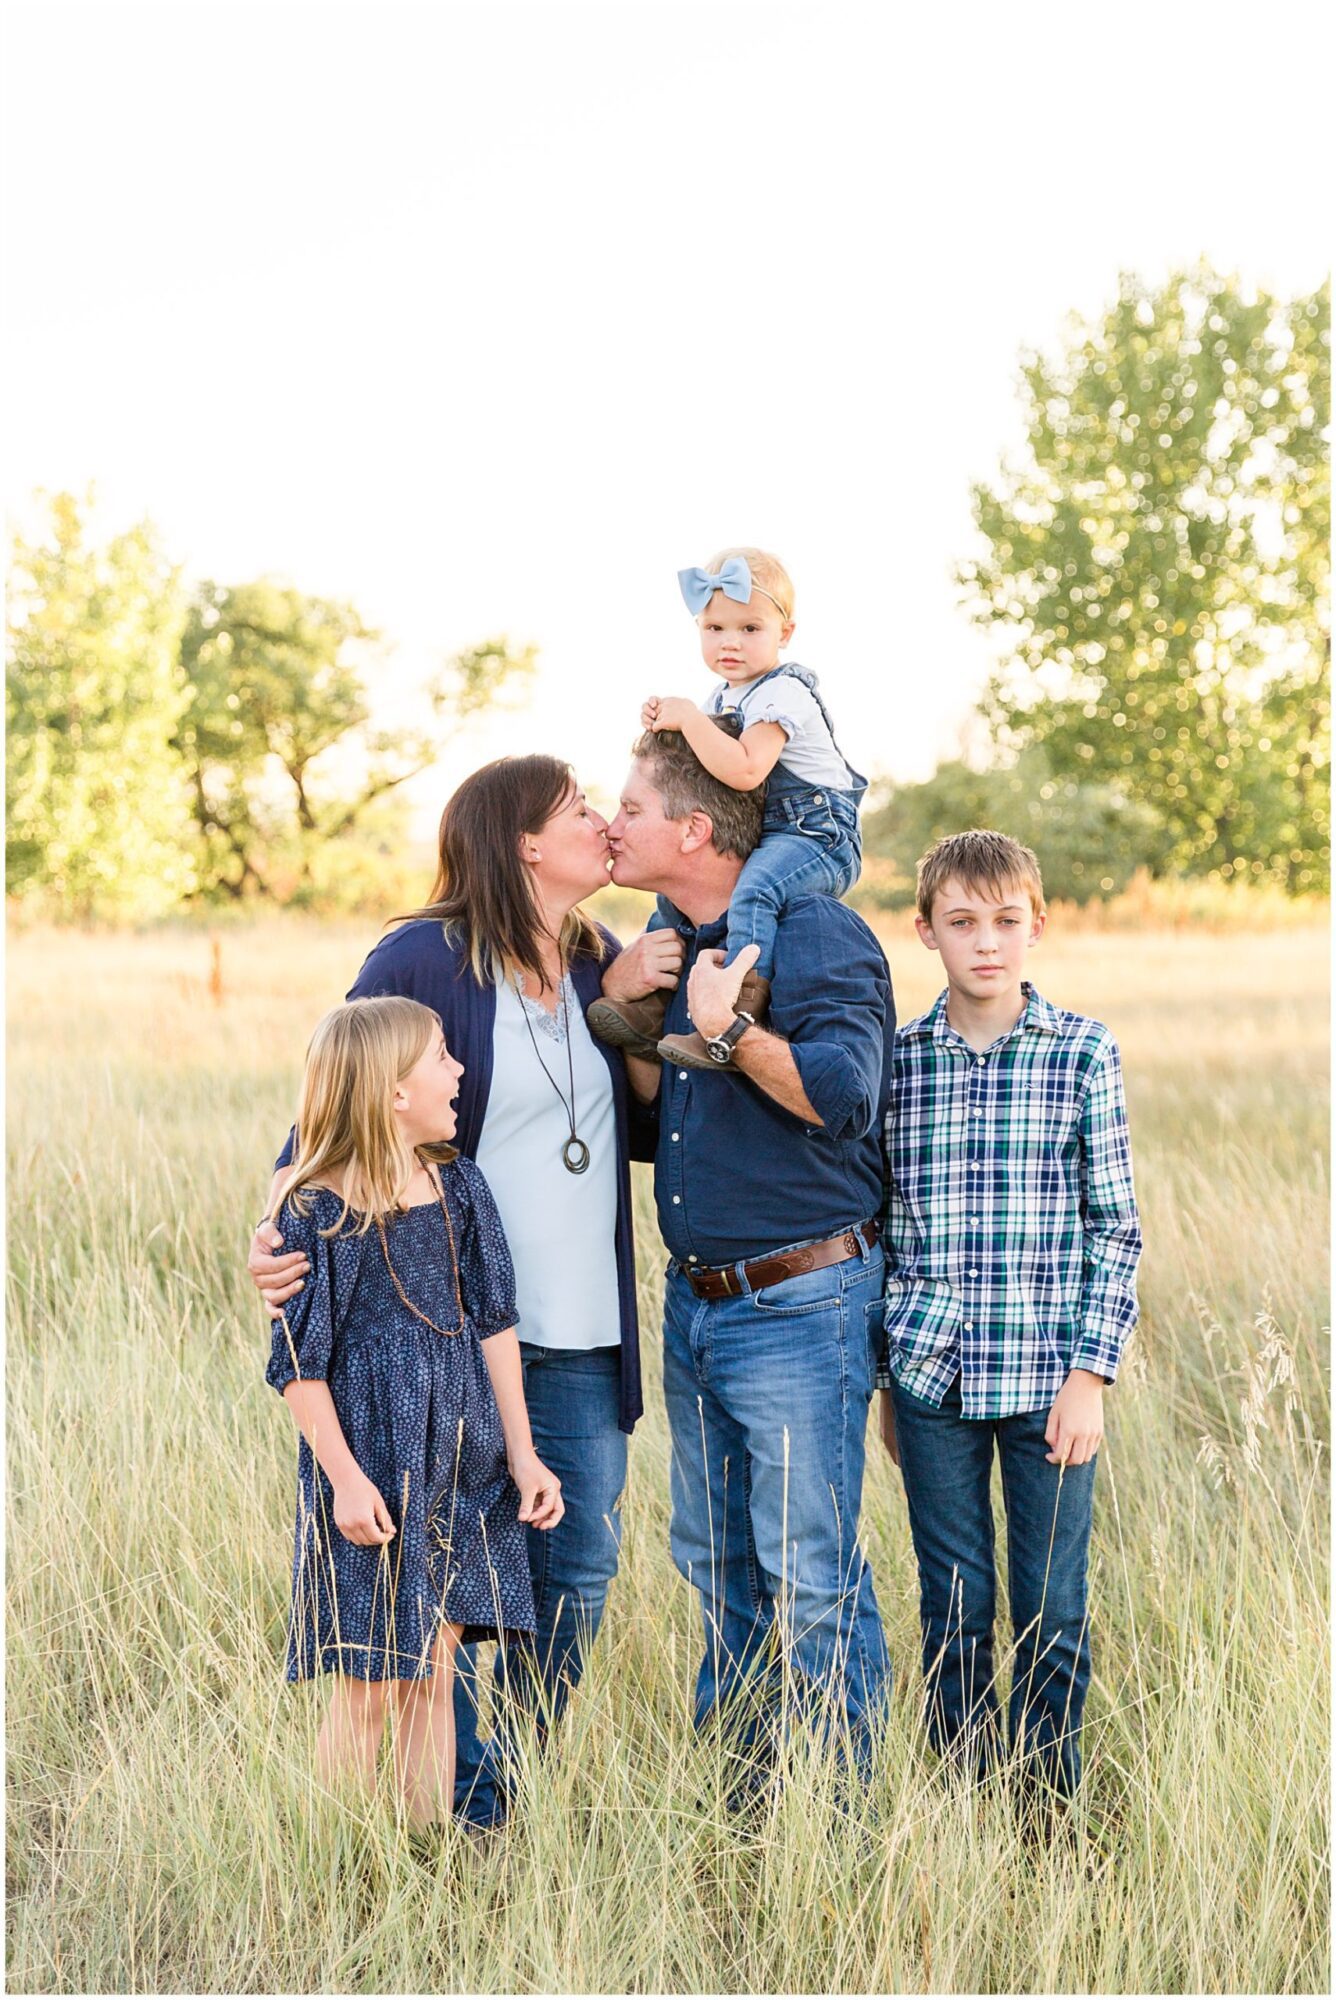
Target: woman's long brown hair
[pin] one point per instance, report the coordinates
(483, 892)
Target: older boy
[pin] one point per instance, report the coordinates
(1012, 1247)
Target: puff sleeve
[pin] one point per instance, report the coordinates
(303, 1339)
(486, 1273)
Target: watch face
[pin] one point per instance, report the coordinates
(718, 1051)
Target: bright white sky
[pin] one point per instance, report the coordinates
(491, 318)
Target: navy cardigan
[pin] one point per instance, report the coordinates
(419, 962)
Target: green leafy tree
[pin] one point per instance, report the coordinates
(285, 766)
(1090, 838)
(1157, 575)
(98, 820)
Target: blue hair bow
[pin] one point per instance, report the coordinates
(698, 586)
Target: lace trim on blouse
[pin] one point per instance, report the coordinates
(551, 1023)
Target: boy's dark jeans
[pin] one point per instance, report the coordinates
(947, 1461)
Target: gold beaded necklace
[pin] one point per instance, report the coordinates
(454, 1263)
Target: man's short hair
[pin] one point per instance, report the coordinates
(685, 786)
(977, 860)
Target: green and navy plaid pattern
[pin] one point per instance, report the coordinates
(1012, 1236)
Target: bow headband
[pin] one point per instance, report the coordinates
(734, 579)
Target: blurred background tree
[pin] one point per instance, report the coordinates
(1090, 838)
(1157, 573)
(98, 815)
(219, 747)
(287, 773)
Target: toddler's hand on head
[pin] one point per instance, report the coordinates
(671, 711)
(649, 714)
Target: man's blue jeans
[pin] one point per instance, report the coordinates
(947, 1463)
(767, 1398)
(572, 1400)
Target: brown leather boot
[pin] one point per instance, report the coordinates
(633, 1025)
(690, 1052)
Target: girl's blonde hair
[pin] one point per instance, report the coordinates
(345, 1116)
(767, 571)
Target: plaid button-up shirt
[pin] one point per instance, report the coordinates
(1012, 1236)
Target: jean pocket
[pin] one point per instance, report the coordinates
(818, 823)
(808, 1292)
(875, 1328)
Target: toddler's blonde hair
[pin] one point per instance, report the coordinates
(345, 1116)
(766, 570)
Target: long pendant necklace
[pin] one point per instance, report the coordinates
(575, 1153)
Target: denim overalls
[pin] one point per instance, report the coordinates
(810, 845)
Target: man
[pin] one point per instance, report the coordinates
(768, 1180)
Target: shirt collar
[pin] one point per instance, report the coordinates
(1038, 1016)
(705, 934)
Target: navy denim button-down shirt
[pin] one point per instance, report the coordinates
(735, 1175)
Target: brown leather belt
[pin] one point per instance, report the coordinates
(722, 1281)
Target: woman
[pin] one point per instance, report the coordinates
(506, 957)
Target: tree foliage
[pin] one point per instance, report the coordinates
(285, 763)
(1090, 838)
(217, 747)
(1157, 574)
(98, 820)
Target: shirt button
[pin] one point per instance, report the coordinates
(817, 799)
(677, 1201)
(974, 1274)
(682, 1073)
(693, 1259)
(676, 1137)
(969, 1326)
(978, 1114)
(974, 1222)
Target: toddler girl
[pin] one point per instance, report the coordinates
(775, 732)
(399, 1361)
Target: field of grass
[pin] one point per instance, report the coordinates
(165, 1830)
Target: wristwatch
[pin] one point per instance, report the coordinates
(719, 1048)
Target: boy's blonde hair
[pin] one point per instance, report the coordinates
(345, 1116)
(767, 571)
(979, 859)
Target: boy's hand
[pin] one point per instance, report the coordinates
(541, 1504)
(713, 988)
(360, 1514)
(1075, 1426)
(667, 711)
(888, 1437)
(277, 1279)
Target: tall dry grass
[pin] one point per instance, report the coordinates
(165, 1830)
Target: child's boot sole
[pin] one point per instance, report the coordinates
(607, 1023)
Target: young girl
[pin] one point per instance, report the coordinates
(399, 1361)
(766, 725)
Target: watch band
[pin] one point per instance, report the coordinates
(721, 1047)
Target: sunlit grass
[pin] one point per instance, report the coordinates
(166, 1831)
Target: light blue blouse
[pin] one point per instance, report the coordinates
(560, 1226)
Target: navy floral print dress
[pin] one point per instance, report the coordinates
(420, 1418)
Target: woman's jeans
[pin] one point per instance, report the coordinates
(767, 1397)
(947, 1461)
(572, 1401)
